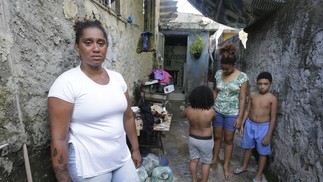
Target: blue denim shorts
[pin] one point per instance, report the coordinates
(226, 121)
(125, 173)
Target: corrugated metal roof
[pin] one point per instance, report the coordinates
(237, 14)
(168, 9)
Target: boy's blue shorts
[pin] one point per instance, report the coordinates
(226, 121)
(253, 134)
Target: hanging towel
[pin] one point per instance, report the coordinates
(146, 42)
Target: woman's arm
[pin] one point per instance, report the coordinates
(130, 128)
(242, 102)
(246, 112)
(215, 90)
(59, 113)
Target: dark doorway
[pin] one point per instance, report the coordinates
(175, 52)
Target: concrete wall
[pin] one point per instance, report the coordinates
(195, 73)
(37, 45)
(289, 44)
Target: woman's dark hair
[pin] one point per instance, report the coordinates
(81, 25)
(265, 75)
(201, 98)
(228, 52)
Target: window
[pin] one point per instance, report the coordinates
(112, 4)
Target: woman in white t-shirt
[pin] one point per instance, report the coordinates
(90, 116)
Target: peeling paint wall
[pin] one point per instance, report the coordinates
(37, 45)
(289, 44)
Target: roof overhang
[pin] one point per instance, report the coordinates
(236, 13)
(192, 22)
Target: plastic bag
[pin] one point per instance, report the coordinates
(150, 162)
(163, 161)
(162, 174)
(142, 173)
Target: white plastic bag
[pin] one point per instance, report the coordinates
(150, 162)
(142, 173)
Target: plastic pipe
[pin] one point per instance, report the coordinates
(4, 145)
(27, 164)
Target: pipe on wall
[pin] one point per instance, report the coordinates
(4, 145)
(27, 164)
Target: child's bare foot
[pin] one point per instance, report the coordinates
(196, 180)
(227, 173)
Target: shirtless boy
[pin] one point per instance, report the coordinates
(258, 124)
(200, 114)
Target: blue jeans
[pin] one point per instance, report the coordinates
(125, 173)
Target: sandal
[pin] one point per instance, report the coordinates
(239, 171)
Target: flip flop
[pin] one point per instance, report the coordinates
(240, 171)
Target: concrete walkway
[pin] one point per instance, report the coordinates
(176, 150)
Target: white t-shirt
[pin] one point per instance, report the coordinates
(96, 128)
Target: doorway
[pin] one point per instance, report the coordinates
(175, 52)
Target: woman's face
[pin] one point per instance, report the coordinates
(92, 47)
(227, 69)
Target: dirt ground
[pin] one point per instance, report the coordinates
(176, 149)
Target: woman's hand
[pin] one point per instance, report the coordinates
(241, 131)
(237, 123)
(136, 157)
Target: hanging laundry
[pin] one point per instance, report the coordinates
(167, 77)
(158, 74)
(161, 75)
(146, 42)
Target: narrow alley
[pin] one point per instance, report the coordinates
(176, 149)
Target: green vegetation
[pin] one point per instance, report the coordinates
(197, 46)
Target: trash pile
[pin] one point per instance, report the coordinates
(155, 169)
